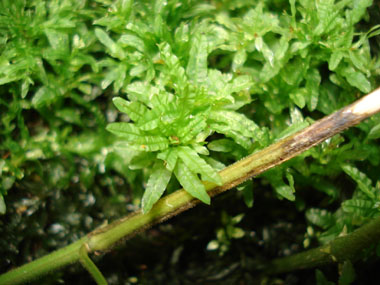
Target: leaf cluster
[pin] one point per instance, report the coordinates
(152, 94)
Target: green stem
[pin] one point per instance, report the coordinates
(179, 201)
(90, 266)
(43, 265)
(337, 251)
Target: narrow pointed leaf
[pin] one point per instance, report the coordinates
(169, 157)
(151, 143)
(191, 183)
(156, 185)
(198, 165)
(197, 66)
(135, 110)
(126, 130)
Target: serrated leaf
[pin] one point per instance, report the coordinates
(356, 78)
(126, 130)
(132, 41)
(191, 183)
(151, 143)
(262, 47)
(156, 186)
(298, 97)
(169, 157)
(364, 183)
(236, 136)
(320, 217)
(149, 121)
(358, 207)
(196, 125)
(313, 79)
(242, 82)
(115, 49)
(236, 121)
(198, 165)
(358, 10)
(335, 59)
(115, 75)
(326, 15)
(134, 110)
(141, 91)
(197, 65)
(359, 59)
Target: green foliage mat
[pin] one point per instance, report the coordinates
(106, 106)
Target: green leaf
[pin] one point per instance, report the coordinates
(115, 49)
(190, 182)
(44, 96)
(132, 41)
(298, 97)
(335, 59)
(321, 279)
(169, 157)
(320, 217)
(358, 10)
(3, 207)
(235, 121)
(313, 79)
(242, 82)
(236, 136)
(359, 207)
(374, 133)
(284, 190)
(197, 65)
(151, 143)
(262, 47)
(247, 189)
(25, 86)
(221, 145)
(197, 165)
(141, 160)
(126, 130)
(239, 59)
(355, 78)
(156, 185)
(326, 15)
(347, 275)
(364, 183)
(141, 91)
(196, 125)
(135, 110)
(149, 121)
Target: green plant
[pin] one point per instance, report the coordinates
(197, 86)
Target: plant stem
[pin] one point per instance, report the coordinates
(43, 265)
(337, 251)
(179, 201)
(90, 266)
